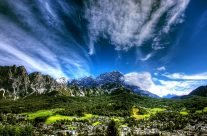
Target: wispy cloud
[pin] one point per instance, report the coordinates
(198, 76)
(18, 57)
(162, 68)
(147, 57)
(37, 42)
(130, 23)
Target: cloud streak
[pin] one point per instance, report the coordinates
(129, 23)
(162, 68)
(39, 39)
(199, 76)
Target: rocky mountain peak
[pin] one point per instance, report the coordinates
(110, 77)
(15, 82)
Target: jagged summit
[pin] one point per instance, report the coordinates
(15, 83)
(109, 81)
(110, 77)
(84, 82)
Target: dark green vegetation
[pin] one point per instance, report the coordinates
(200, 91)
(116, 104)
(116, 108)
(36, 104)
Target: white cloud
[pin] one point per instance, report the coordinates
(179, 87)
(33, 64)
(163, 68)
(145, 81)
(175, 14)
(130, 23)
(199, 76)
(147, 57)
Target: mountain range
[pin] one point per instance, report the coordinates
(15, 82)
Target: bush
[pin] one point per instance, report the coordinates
(112, 129)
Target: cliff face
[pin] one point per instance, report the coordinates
(15, 82)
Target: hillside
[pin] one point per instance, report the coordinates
(37, 104)
(129, 113)
(200, 91)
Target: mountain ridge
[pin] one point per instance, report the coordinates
(15, 82)
(200, 91)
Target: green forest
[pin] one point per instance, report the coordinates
(46, 114)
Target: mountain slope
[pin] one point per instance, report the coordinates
(200, 91)
(16, 83)
(109, 81)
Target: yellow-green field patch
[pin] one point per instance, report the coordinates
(87, 116)
(117, 119)
(184, 113)
(205, 109)
(135, 114)
(96, 123)
(200, 111)
(149, 111)
(53, 119)
(156, 110)
(141, 116)
(124, 125)
(42, 113)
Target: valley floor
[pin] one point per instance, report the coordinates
(120, 114)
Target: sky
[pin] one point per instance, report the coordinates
(159, 45)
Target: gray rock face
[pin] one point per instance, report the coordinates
(15, 82)
(107, 82)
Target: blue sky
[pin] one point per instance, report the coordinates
(159, 45)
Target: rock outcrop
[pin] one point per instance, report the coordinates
(15, 82)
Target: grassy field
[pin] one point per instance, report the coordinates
(149, 111)
(42, 113)
(96, 123)
(124, 109)
(55, 118)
